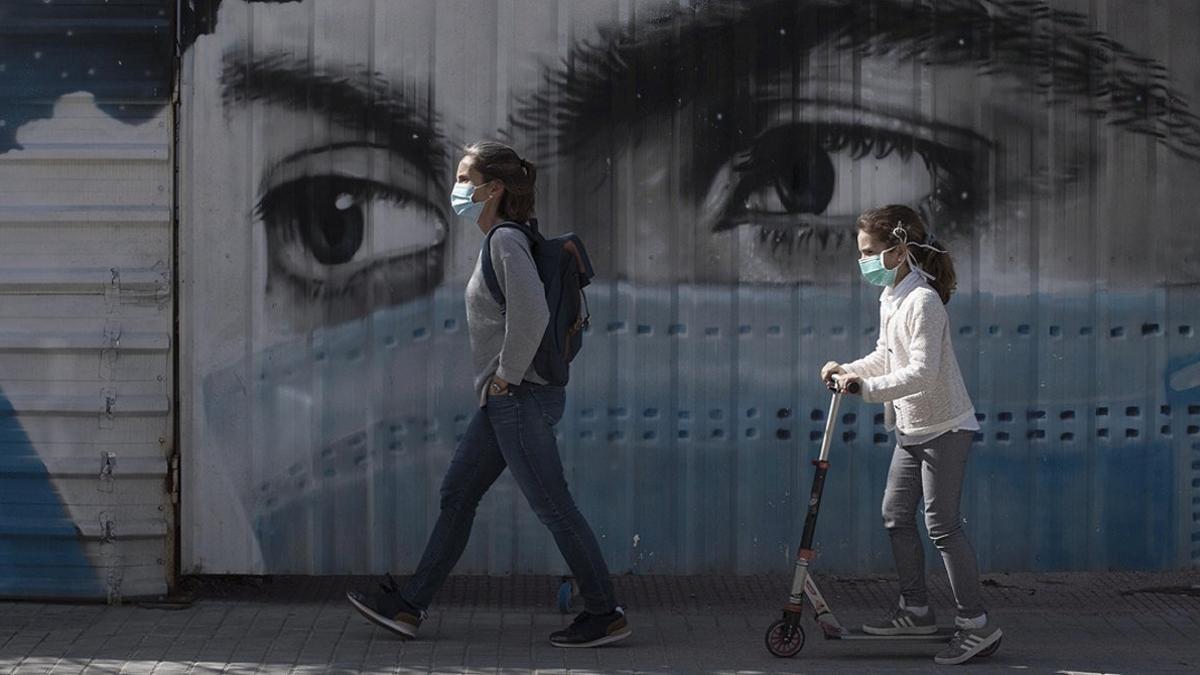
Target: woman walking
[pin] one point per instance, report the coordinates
(514, 425)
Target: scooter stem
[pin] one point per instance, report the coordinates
(830, 423)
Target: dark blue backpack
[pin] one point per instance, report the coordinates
(565, 270)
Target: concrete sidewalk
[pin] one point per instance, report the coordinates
(1053, 623)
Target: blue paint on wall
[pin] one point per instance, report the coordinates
(1138, 511)
(41, 551)
(1182, 384)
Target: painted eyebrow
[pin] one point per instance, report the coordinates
(679, 54)
(360, 101)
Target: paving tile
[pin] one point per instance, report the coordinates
(713, 624)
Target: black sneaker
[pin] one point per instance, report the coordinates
(593, 630)
(388, 609)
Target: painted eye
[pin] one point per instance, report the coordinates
(332, 224)
(817, 182)
(800, 184)
(323, 228)
(804, 182)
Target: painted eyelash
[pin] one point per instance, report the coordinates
(861, 141)
(1063, 56)
(359, 188)
(949, 169)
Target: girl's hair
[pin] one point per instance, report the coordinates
(496, 161)
(897, 224)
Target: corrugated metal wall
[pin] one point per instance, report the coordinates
(86, 299)
(714, 161)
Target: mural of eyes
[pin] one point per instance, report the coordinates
(800, 183)
(331, 230)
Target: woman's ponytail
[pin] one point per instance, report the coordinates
(937, 263)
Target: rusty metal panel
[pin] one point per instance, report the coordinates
(86, 299)
(713, 156)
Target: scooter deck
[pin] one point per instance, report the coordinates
(943, 634)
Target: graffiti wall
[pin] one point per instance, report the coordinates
(713, 156)
(86, 301)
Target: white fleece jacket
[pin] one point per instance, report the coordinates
(913, 370)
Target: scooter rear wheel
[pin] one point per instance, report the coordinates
(785, 639)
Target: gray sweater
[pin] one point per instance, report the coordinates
(504, 343)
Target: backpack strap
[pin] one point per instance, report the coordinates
(489, 270)
(572, 245)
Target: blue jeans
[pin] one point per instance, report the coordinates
(514, 430)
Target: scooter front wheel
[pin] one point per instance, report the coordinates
(785, 638)
(990, 650)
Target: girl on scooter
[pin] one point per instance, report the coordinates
(914, 373)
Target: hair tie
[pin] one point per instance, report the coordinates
(930, 244)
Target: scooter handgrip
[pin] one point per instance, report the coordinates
(836, 380)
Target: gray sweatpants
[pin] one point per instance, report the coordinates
(934, 470)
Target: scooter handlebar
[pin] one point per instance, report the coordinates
(836, 381)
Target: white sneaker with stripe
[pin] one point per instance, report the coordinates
(902, 621)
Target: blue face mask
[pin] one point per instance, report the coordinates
(462, 200)
(874, 271)
(339, 420)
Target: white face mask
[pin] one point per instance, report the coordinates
(462, 200)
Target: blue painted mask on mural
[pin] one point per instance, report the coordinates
(348, 410)
(357, 421)
(462, 200)
(874, 271)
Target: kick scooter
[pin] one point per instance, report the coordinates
(785, 637)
